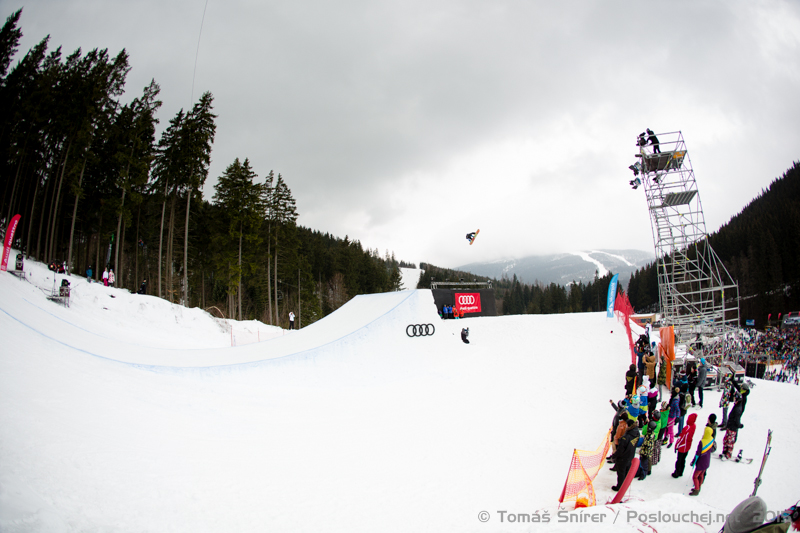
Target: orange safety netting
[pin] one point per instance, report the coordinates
(582, 470)
(624, 310)
(667, 349)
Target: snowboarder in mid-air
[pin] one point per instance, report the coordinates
(471, 236)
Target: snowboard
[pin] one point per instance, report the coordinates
(473, 237)
(737, 459)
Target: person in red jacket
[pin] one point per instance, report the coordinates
(684, 445)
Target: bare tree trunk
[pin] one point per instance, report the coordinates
(186, 250)
(119, 231)
(97, 252)
(161, 239)
(269, 277)
(45, 220)
(136, 260)
(240, 270)
(171, 249)
(74, 215)
(230, 295)
(30, 222)
(14, 188)
(52, 251)
(277, 312)
(121, 265)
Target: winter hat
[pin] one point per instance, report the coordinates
(703, 360)
(664, 405)
(746, 516)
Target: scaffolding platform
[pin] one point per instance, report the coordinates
(697, 294)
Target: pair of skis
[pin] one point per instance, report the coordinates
(767, 449)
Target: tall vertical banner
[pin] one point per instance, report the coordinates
(612, 296)
(12, 227)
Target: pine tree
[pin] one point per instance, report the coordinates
(242, 200)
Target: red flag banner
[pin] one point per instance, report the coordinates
(12, 227)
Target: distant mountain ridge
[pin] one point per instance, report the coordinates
(565, 268)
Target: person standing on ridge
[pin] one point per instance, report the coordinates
(630, 379)
(702, 373)
(653, 140)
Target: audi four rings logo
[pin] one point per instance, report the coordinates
(466, 299)
(420, 330)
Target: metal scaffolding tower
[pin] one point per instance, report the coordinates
(697, 294)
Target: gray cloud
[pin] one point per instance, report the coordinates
(407, 124)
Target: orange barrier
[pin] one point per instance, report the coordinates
(667, 349)
(582, 470)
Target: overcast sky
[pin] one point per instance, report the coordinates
(406, 124)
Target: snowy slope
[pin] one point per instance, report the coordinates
(127, 414)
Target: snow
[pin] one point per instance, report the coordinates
(615, 256)
(133, 414)
(409, 278)
(601, 269)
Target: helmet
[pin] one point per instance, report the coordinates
(652, 425)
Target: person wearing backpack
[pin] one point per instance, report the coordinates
(734, 423)
(646, 451)
(674, 413)
(684, 446)
(683, 405)
(626, 450)
(702, 460)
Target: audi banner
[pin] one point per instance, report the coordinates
(473, 303)
(468, 302)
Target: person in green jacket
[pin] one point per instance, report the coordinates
(664, 417)
(656, 455)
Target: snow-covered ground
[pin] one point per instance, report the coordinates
(126, 413)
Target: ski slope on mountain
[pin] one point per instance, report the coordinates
(128, 413)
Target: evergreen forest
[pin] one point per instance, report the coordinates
(760, 248)
(95, 188)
